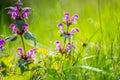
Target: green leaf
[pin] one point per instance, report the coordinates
(11, 38)
(30, 36)
(23, 65)
(19, 23)
(13, 8)
(26, 8)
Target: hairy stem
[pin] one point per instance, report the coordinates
(23, 44)
(65, 39)
(64, 43)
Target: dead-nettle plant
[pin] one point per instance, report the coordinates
(67, 45)
(19, 28)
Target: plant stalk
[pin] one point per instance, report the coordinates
(23, 44)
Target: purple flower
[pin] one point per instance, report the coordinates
(20, 51)
(14, 28)
(67, 17)
(67, 34)
(68, 20)
(14, 12)
(30, 54)
(25, 27)
(58, 46)
(19, 12)
(74, 17)
(2, 42)
(74, 30)
(25, 13)
(61, 27)
(69, 46)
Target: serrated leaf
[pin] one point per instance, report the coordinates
(29, 36)
(19, 23)
(13, 8)
(11, 38)
(26, 8)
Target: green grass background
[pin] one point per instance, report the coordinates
(99, 22)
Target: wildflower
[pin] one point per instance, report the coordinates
(66, 33)
(58, 46)
(17, 10)
(14, 11)
(20, 52)
(2, 42)
(69, 46)
(70, 21)
(29, 55)
(42, 50)
(25, 27)
(16, 30)
(74, 30)
(61, 27)
(74, 17)
(25, 13)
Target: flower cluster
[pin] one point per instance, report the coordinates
(16, 30)
(19, 28)
(2, 42)
(29, 55)
(67, 47)
(59, 48)
(19, 14)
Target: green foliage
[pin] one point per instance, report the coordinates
(11, 38)
(19, 24)
(24, 65)
(30, 36)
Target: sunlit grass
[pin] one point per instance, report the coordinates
(99, 24)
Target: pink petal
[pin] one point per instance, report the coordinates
(74, 30)
(58, 46)
(25, 13)
(31, 53)
(20, 51)
(61, 28)
(14, 29)
(74, 17)
(67, 17)
(69, 46)
(25, 27)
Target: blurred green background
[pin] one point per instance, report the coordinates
(98, 20)
(99, 24)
